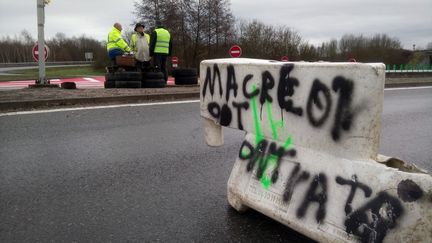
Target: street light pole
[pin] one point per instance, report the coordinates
(41, 41)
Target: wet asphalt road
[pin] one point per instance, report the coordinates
(141, 174)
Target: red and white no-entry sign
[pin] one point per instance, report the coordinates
(284, 59)
(174, 61)
(35, 52)
(235, 51)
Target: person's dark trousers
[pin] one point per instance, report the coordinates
(139, 65)
(143, 66)
(112, 54)
(160, 63)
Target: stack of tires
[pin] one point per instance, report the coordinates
(185, 76)
(123, 80)
(153, 80)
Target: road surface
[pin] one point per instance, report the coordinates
(144, 173)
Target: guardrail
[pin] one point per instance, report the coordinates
(29, 64)
(408, 68)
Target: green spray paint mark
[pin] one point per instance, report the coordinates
(288, 142)
(272, 124)
(269, 160)
(258, 132)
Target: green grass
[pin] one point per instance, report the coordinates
(52, 73)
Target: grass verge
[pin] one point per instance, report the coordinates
(52, 73)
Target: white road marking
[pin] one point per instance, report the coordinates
(97, 107)
(92, 80)
(419, 87)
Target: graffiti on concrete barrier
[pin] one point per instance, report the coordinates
(327, 106)
(372, 221)
(355, 184)
(286, 91)
(318, 105)
(314, 100)
(409, 191)
(317, 193)
(265, 153)
(297, 176)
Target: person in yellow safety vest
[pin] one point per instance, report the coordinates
(140, 46)
(116, 46)
(138, 31)
(160, 48)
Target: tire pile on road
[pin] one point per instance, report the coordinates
(153, 79)
(185, 76)
(128, 79)
(123, 80)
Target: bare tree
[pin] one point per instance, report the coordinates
(197, 26)
(265, 41)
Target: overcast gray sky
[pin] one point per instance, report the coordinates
(315, 20)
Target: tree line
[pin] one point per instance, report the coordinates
(205, 29)
(61, 48)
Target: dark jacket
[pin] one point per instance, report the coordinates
(153, 39)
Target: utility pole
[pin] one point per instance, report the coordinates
(41, 40)
(42, 80)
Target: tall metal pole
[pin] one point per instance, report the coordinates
(41, 40)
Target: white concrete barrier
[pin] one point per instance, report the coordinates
(310, 155)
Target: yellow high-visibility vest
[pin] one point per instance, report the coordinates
(134, 39)
(162, 41)
(115, 41)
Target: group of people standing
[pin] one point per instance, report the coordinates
(145, 47)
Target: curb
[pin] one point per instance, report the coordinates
(34, 104)
(21, 105)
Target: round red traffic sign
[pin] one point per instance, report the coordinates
(35, 52)
(174, 60)
(284, 59)
(235, 51)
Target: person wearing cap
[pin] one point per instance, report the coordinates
(116, 46)
(140, 46)
(139, 30)
(160, 48)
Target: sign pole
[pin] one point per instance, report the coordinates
(41, 40)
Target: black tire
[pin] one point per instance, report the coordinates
(68, 85)
(153, 75)
(123, 76)
(154, 83)
(109, 84)
(111, 69)
(184, 72)
(128, 84)
(110, 77)
(186, 80)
